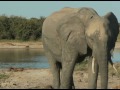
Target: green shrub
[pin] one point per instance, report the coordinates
(20, 28)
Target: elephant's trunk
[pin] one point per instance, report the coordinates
(102, 59)
(103, 68)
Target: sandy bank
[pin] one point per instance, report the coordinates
(21, 45)
(30, 45)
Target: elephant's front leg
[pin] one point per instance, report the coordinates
(68, 63)
(73, 86)
(67, 76)
(92, 77)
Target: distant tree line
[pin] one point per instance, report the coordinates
(20, 28)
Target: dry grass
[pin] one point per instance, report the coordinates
(83, 66)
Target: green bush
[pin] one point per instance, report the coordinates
(20, 28)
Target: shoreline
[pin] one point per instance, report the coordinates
(21, 45)
(29, 44)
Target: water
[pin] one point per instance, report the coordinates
(23, 58)
(31, 58)
(116, 55)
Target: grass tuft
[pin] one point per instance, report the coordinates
(4, 76)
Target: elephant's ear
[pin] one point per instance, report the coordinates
(114, 28)
(72, 32)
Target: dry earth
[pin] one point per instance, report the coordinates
(42, 79)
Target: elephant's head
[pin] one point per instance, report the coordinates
(74, 26)
(101, 35)
(86, 14)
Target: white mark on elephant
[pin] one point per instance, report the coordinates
(93, 61)
(114, 68)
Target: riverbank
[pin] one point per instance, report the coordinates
(29, 44)
(20, 44)
(17, 78)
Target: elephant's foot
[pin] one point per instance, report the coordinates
(73, 87)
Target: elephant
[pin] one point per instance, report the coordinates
(72, 34)
(119, 27)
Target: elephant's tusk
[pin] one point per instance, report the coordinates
(93, 61)
(113, 65)
(114, 68)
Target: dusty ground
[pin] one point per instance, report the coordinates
(42, 78)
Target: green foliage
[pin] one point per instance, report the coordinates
(20, 28)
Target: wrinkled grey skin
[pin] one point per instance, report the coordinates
(70, 35)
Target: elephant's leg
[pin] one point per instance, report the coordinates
(92, 77)
(67, 76)
(73, 86)
(69, 57)
(56, 75)
(55, 68)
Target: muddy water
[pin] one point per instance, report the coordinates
(26, 58)
(31, 58)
